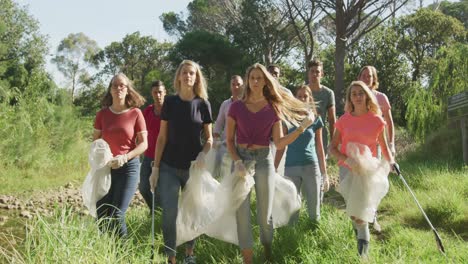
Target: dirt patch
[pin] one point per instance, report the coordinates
(15, 208)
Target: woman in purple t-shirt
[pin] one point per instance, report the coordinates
(253, 121)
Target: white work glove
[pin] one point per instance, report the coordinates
(118, 161)
(326, 183)
(307, 121)
(239, 169)
(153, 179)
(200, 161)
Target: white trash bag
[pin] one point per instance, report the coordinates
(366, 184)
(208, 207)
(286, 201)
(98, 180)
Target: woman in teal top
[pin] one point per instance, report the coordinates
(305, 160)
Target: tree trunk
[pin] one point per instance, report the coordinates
(340, 54)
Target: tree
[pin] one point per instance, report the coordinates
(458, 10)
(263, 32)
(73, 55)
(218, 57)
(422, 34)
(301, 15)
(22, 47)
(427, 106)
(214, 16)
(353, 19)
(136, 56)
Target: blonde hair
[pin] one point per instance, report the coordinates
(132, 99)
(371, 101)
(375, 79)
(200, 86)
(288, 108)
(312, 104)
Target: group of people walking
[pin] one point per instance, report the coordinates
(176, 130)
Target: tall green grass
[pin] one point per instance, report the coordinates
(44, 143)
(68, 237)
(434, 171)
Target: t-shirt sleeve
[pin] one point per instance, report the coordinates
(331, 99)
(318, 123)
(165, 109)
(206, 112)
(339, 124)
(385, 103)
(140, 124)
(98, 121)
(233, 111)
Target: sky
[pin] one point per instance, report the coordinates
(104, 21)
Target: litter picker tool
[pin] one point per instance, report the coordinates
(437, 237)
(152, 227)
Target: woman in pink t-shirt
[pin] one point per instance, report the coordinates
(122, 125)
(253, 122)
(368, 75)
(362, 123)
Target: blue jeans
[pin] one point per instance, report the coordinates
(171, 180)
(264, 188)
(309, 178)
(144, 186)
(113, 206)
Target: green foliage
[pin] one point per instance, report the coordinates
(262, 32)
(36, 132)
(427, 107)
(22, 47)
(173, 23)
(422, 34)
(458, 10)
(138, 57)
(218, 58)
(73, 56)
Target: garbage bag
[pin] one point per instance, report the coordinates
(364, 186)
(98, 180)
(207, 206)
(286, 201)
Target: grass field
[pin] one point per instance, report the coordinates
(439, 181)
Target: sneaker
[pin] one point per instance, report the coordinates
(377, 227)
(190, 260)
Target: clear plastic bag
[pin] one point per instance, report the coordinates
(366, 184)
(98, 180)
(286, 201)
(208, 207)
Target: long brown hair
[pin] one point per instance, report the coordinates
(132, 99)
(288, 108)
